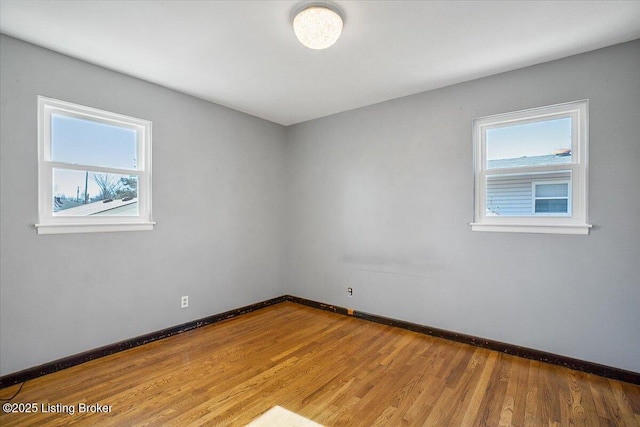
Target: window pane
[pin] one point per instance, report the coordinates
(552, 206)
(92, 143)
(552, 190)
(86, 193)
(540, 143)
(511, 194)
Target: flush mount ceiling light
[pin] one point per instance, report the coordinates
(317, 25)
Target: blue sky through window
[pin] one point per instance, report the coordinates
(87, 142)
(91, 143)
(528, 140)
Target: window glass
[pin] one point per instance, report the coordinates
(512, 194)
(552, 206)
(551, 198)
(88, 142)
(540, 143)
(552, 190)
(73, 189)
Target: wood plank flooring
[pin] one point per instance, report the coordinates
(331, 369)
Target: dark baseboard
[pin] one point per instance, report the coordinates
(76, 359)
(315, 304)
(568, 362)
(528, 353)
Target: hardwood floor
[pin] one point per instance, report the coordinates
(332, 369)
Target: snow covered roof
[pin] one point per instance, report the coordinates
(124, 207)
(550, 159)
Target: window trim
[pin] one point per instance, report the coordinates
(50, 224)
(576, 223)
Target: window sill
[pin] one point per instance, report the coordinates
(92, 228)
(582, 229)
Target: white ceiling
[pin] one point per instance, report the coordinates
(244, 54)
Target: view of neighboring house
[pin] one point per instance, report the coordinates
(524, 194)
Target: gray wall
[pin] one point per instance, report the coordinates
(218, 200)
(380, 199)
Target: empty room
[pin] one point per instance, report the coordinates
(341, 213)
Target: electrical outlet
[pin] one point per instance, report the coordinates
(350, 292)
(184, 302)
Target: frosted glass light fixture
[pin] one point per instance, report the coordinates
(317, 26)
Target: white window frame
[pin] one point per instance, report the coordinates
(534, 184)
(576, 222)
(50, 224)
